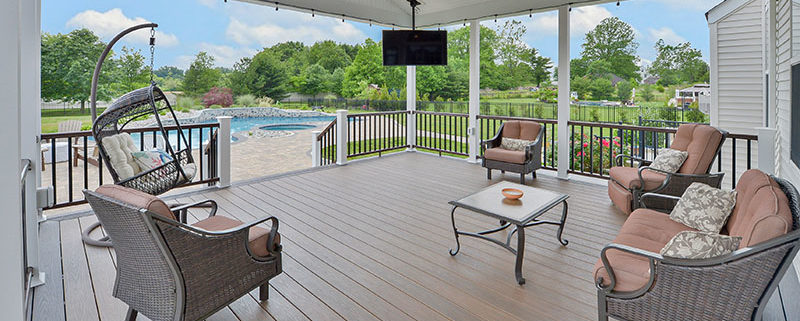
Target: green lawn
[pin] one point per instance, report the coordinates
(51, 118)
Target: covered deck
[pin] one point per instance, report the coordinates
(369, 241)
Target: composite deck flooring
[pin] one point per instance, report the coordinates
(370, 241)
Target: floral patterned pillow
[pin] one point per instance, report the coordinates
(700, 245)
(704, 208)
(669, 160)
(514, 144)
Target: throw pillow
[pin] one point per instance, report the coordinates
(700, 245)
(514, 144)
(704, 208)
(669, 160)
(118, 148)
(150, 159)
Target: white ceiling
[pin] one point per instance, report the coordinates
(431, 13)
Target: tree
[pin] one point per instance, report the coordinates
(68, 61)
(458, 54)
(130, 72)
(540, 66)
(613, 41)
(329, 55)
(578, 68)
(431, 80)
(201, 75)
(678, 64)
(582, 86)
(334, 81)
(236, 80)
(624, 89)
(367, 68)
(266, 77)
(314, 76)
(602, 89)
(647, 92)
(218, 96)
(169, 71)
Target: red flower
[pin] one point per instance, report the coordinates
(585, 145)
(580, 154)
(605, 143)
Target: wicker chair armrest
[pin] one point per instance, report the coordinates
(232, 232)
(650, 256)
(182, 209)
(660, 202)
(620, 158)
(677, 183)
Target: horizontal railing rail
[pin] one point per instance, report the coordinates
(71, 161)
(376, 133)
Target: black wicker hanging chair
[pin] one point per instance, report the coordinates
(140, 103)
(176, 170)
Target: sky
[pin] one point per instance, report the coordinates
(232, 30)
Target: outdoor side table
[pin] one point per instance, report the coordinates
(521, 213)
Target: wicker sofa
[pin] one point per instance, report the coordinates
(702, 142)
(636, 283)
(170, 270)
(522, 162)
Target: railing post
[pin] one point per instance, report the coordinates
(342, 127)
(564, 96)
(224, 151)
(473, 131)
(315, 148)
(411, 106)
(766, 149)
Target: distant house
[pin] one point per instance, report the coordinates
(686, 96)
(616, 79)
(651, 80)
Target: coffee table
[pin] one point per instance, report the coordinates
(521, 213)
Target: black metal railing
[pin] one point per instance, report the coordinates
(75, 163)
(376, 133)
(442, 132)
(327, 145)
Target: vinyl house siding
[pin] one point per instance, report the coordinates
(737, 80)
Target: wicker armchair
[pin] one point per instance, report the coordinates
(627, 184)
(169, 270)
(634, 282)
(522, 162)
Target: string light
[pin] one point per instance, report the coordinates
(617, 3)
(530, 13)
(495, 18)
(312, 13)
(276, 6)
(370, 22)
(342, 18)
(465, 23)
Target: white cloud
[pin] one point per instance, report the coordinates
(694, 5)
(669, 35)
(107, 24)
(268, 34)
(209, 3)
(582, 20)
(224, 56)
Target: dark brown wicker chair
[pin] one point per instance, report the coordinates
(170, 270)
(522, 162)
(634, 282)
(627, 184)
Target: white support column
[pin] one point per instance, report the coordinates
(224, 151)
(341, 136)
(411, 106)
(473, 132)
(315, 148)
(766, 149)
(12, 29)
(563, 91)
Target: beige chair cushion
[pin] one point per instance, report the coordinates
(525, 130)
(629, 177)
(762, 209)
(700, 245)
(119, 149)
(505, 155)
(644, 229)
(701, 141)
(136, 198)
(257, 236)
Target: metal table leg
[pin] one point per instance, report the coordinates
(520, 254)
(455, 231)
(561, 224)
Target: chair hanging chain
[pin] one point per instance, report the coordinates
(152, 52)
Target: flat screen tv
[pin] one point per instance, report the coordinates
(414, 48)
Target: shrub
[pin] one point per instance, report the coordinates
(185, 102)
(589, 151)
(218, 96)
(86, 127)
(265, 102)
(595, 115)
(247, 101)
(694, 115)
(215, 106)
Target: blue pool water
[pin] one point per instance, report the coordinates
(285, 127)
(237, 125)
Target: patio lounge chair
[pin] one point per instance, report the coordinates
(170, 270)
(517, 161)
(636, 283)
(703, 143)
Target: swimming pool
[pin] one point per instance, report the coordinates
(238, 124)
(286, 127)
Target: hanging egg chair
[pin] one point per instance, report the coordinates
(152, 169)
(177, 166)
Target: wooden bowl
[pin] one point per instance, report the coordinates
(512, 193)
